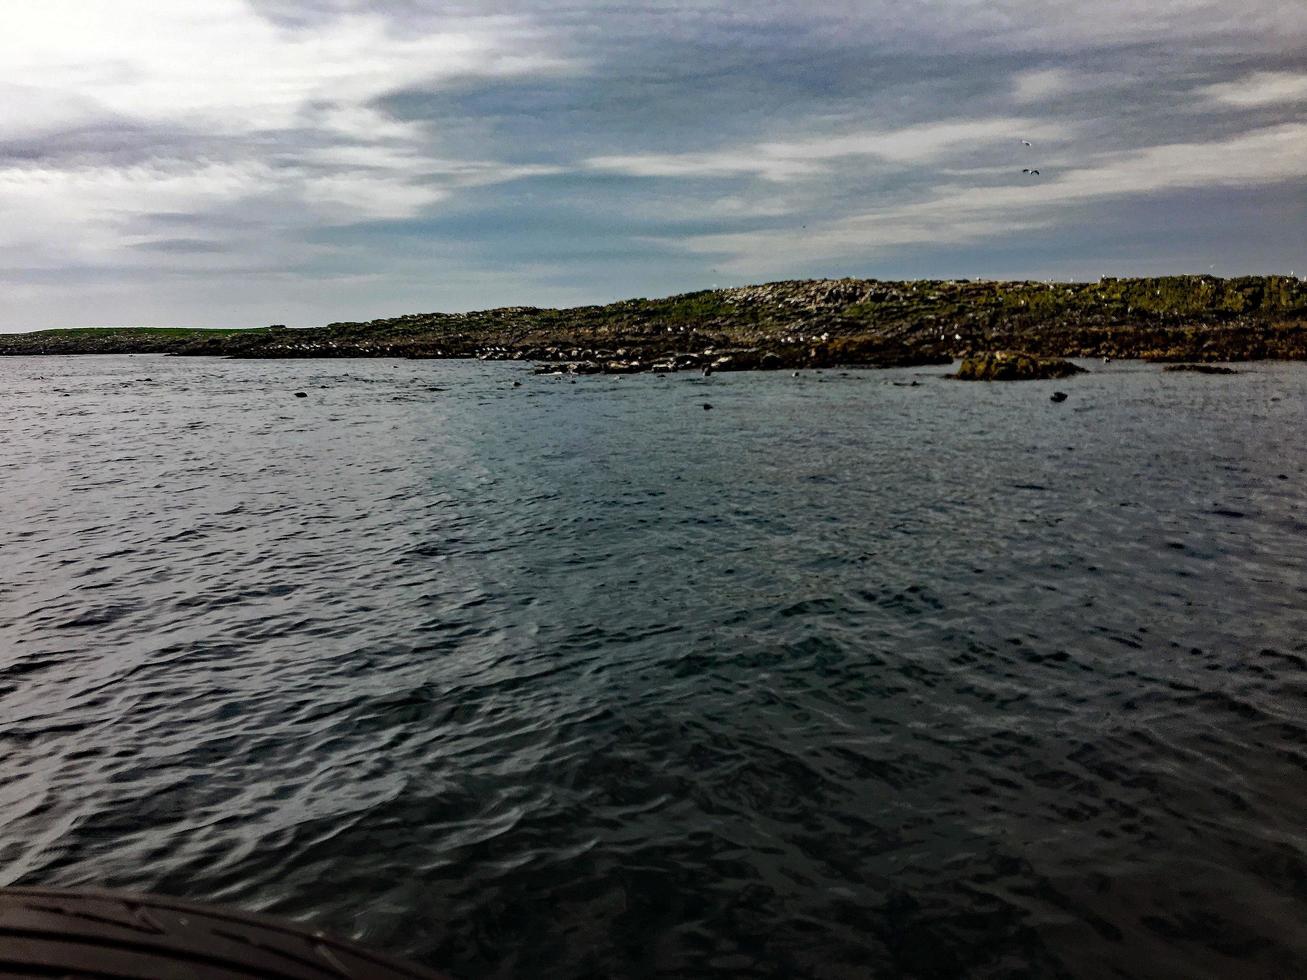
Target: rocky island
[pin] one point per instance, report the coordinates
(795, 324)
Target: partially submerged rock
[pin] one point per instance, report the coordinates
(1006, 365)
(1200, 368)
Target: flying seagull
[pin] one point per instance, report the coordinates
(1025, 142)
(1034, 173)
(1025, 170)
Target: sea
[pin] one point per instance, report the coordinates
(864, 673)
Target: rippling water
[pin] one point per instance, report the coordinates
(844, 677)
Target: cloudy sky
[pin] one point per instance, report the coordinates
(241, 162)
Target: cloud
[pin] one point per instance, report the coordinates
(957, 213)
(109, 113)
(180, 246)
(357, 152)
(915, 145)
(220, 66)
(1261, 89)
(1045, 83)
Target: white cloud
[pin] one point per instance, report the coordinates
(150, 138)
(1048, 83)
(1261, 88)
(58, 217)
(1021, 25)
(925, 143)
(31, 111)
(354, 195)
(724, 164)
(220, 66)
(236, 83)
(958, 213)
(782, 161)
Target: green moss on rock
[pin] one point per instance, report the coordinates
(1008, 365)
(799, 323)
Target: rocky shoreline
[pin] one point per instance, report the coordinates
(793, 325)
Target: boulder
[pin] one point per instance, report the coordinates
(1008, 365)
(1200, 368)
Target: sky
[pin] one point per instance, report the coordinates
(246, 162)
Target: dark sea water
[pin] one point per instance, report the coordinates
(842, 678)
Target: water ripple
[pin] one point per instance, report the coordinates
(840, 679)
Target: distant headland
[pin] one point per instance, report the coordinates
(793, 324)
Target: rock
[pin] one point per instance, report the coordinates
(517, 384)
(301, 394)
(1200, 368)
(1013, 366)
(795, 374)
(706, 406)
(1057, 396)
(623, 367)
(707, 371)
